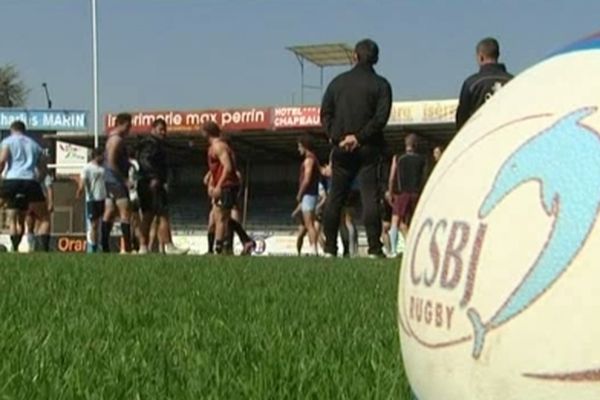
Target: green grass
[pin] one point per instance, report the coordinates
(198, 328)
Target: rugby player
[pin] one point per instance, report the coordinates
(23, 162)
(152, 189)
(91, 181)
(223, 187)
(116, 171)
(308, 191)
(407, 174)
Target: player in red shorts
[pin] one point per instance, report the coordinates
(407, 176)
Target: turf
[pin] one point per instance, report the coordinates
(97, 327)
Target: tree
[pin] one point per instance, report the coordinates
(13, 91)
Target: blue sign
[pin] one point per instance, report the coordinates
(45, 120)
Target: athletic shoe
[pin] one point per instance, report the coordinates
(377, 256)
(329, 255)
(142, 251)
(171, 250)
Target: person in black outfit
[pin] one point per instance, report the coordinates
(480, 87)
(355, 110)
(152, 191)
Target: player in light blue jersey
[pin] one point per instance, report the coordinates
(22, 163)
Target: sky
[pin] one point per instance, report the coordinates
(203, 54)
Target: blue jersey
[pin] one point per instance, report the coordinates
(25, 155)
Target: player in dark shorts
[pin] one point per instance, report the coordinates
(23, 163)
(223, 188)
(116, 173)
(152, 192)
(407, 174)
(236, 216)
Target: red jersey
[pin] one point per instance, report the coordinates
(216, 168)
(313, 186)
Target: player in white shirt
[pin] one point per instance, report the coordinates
(92, 182)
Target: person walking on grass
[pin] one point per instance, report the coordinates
(407, 176)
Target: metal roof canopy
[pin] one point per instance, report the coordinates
(322, 56)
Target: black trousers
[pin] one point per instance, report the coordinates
(362, 164)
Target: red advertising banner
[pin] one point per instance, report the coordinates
(191, 121)
(296, 117)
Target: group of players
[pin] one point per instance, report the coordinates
(132, 188)
(136, 191)
(399, 197)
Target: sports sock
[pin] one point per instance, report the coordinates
(106, 229)
(211, 242)
(239, 230)
(228, 243)
(345, 239)
(352, 240)
(394, 239)
(16, 241)
(30, 237)
(126, 232)
(43, 243)
(219, 246)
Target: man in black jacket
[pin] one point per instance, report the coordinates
(354, 112)
(152, 190)
(480, 87)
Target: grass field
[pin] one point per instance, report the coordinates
(198, 328)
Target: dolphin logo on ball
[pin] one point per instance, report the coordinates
(565, 160)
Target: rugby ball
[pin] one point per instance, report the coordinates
(499, 294)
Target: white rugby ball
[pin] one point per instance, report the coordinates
(499, 294)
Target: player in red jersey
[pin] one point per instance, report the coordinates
(223, 187)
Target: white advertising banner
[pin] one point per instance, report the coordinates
(423, 112)
(70, 158)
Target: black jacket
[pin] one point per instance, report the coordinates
(152, 157)
(357, 102)
(478, 88)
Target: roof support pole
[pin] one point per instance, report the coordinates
(301, 61)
